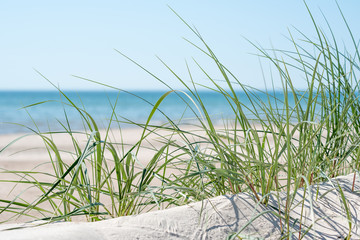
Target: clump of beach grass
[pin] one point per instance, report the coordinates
(293, 140)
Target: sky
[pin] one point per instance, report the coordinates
(61, 39)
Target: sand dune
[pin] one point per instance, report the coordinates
(214, 218)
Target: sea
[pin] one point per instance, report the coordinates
(26, 111)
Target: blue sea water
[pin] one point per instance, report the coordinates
(53, 108)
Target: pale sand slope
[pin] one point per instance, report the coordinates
(213, 219)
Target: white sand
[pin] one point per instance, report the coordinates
(211, 219)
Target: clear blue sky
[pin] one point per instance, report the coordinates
(64, 38)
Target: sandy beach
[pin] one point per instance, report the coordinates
(29, 153)
(209, 219)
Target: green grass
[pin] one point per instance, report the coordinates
(280, 148)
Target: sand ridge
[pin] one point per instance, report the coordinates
(214, 218)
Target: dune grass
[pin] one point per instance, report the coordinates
(290, 141)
